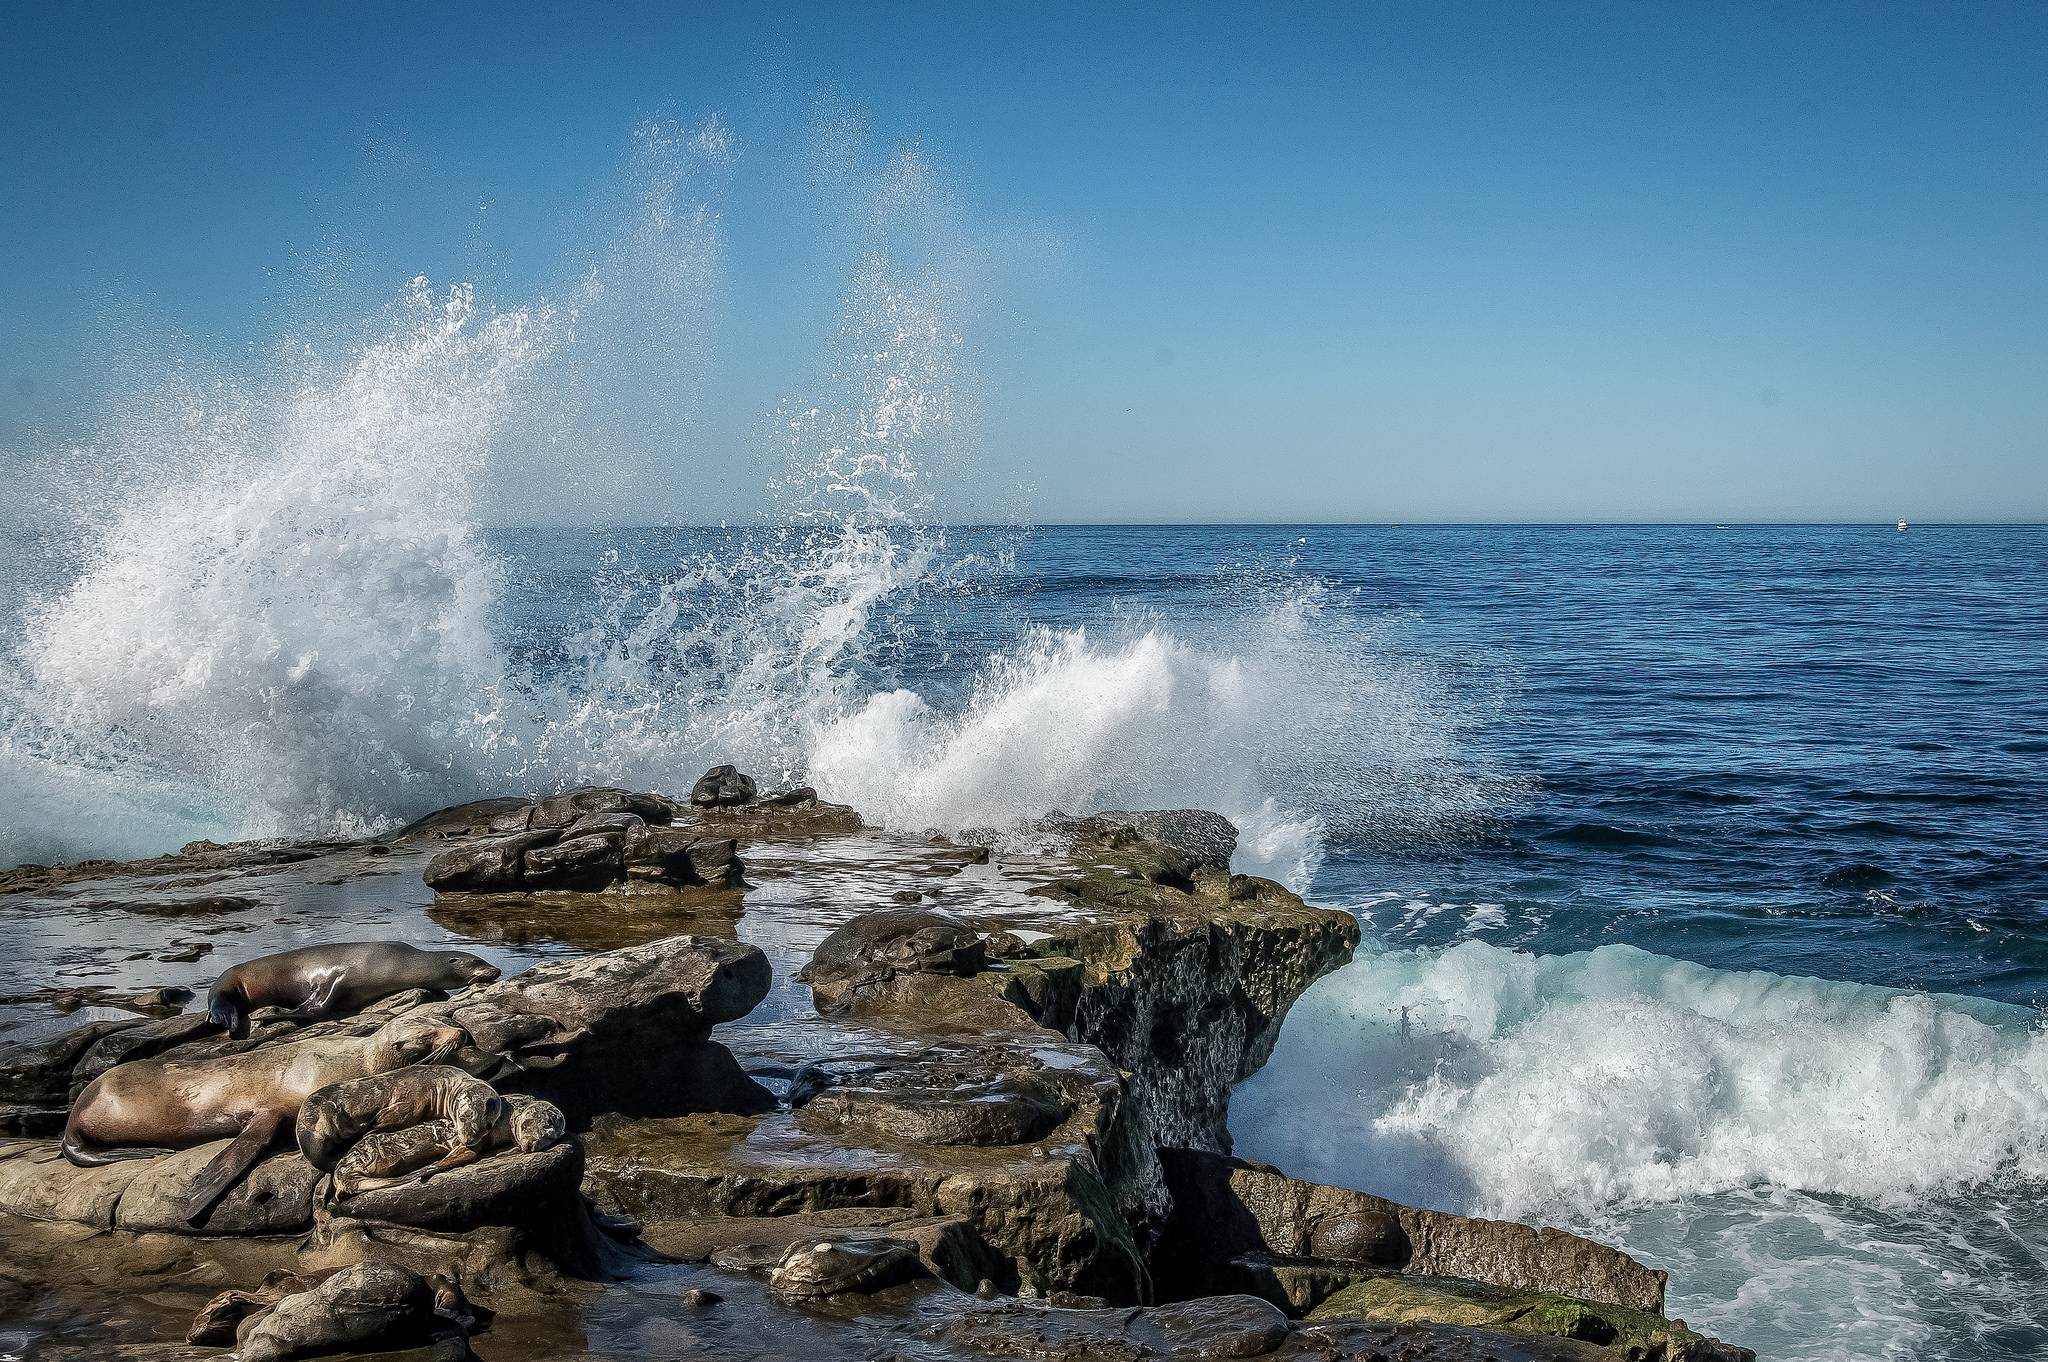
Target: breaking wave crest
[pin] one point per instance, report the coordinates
(1832, 1170)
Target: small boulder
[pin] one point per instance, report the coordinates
(877, 947)
(723, 787)
(372, 1306)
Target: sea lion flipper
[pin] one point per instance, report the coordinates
(232, 1164)
(320, 1000)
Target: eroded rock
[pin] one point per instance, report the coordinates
(877, 948)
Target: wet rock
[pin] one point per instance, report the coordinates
(876, 948)
(924, 1102)
(1184, 990)
(840, 1265)
(1218, 1327)
(150, 1002)
(1432, 1300)
(789, 799)
(1231, 1219)
(37, 1073)
(586, 841)
(561, 810)
(722, 787)
(370, 1306)
(682, 856)
(1041, 1215)
(697, 1298)
(486, 865)
(462, 820)
(587, 863)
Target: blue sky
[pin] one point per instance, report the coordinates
(1359, 262)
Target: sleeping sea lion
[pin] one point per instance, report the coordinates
(337, 980)
(334, 1118)
(151, 1106)
(385, 1158)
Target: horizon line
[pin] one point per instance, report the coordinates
(1328, 524)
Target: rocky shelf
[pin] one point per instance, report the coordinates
(823, 1092)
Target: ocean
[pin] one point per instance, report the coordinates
(1700, 867)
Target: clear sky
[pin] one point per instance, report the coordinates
(1356, 262)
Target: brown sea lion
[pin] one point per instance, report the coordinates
(385, 1158)
(151, 1106)
(338, 980)
(334, 1118)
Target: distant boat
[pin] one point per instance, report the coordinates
(1902, 524)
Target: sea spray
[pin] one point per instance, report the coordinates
(294, 617)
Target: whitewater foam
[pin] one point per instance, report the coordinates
(1755, 1133)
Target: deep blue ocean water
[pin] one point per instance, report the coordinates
(1807, 749)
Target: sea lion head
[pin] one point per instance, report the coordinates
(420, 1040)
(465, 969)
(474, 1121)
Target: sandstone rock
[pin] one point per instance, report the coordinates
(535, 1191)
(563, 809)
(276, 1197)
(878, 947)
(1041, 1208)
(722, 787)
(620, 1031)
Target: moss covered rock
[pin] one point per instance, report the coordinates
(1633, 1334)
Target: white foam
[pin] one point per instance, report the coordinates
(1757, 1134)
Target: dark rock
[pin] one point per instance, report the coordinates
(697, 1298)
(878, 947)
(1006, 946)
(723, 787)
(1218, 1327)
(463, 820)
(1229, 1215)
(372, 1306)
(560, 810)
(802, 794)
(681, 856)
(924, 1102)
(586, 863)
(37, 1073)
(813, 1269)
(484, 866)
(1197, 839)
